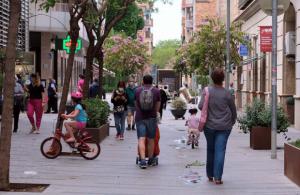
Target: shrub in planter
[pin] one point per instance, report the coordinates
(178, 108)
(257, 120)
(292, 161)
(98, 113)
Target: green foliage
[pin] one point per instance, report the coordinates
(97, 111)
(296, 143)
(178, 104)
(207, 48)
(130, 23)
(164, 51)
(124, 56)
(259, 114)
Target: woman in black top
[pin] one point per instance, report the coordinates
(36, 90)
(119, 100)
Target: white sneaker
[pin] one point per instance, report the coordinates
(36, 132)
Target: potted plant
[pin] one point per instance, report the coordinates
(257, 120)
(292, 161)
(98, 113)
(290, 108)
(178, 108)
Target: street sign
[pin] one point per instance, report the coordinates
(266, 38)
(243, 50)
(67, 45)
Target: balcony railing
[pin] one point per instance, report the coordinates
(149, 22)
(244, 3)
(189, 23)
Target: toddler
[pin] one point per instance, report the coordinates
(193, 123)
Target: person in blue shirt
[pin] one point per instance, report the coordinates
(79, 115)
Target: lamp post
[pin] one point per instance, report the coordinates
(227, 69)
(274, 8)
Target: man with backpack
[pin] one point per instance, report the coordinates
(147, 101)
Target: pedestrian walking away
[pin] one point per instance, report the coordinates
(52, 96)
(193, 124)
(221, 116)
(34, 106)
(147, 101)
(94, 89)
(130, 90)
(163, 101)
(18, 103)
(119, 100)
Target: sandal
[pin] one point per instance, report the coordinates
(210, 179)
(218, 182)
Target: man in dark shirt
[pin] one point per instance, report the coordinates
(146, 120)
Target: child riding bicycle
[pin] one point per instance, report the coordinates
(193, 123)
(79, 114)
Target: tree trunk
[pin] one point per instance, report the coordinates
(100, 57)
(88, 75)
(74, 34)
(8, 93)
(89, 61)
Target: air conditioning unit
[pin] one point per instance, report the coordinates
(290, 43)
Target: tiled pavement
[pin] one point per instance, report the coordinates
(114, 171)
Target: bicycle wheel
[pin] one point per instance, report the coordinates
(51, 147)
(90, 150)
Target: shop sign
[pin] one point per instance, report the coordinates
(266, 38)
(67, 45)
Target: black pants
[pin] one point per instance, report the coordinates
(52, 103)
(17, 110)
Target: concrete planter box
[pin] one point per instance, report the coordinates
(292, 163)
(260, 138)
(99, 134)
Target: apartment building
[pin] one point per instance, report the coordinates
(23, 39)
(253, 77)
(195, 13)
(145, 35)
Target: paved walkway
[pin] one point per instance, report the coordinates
(114, 172)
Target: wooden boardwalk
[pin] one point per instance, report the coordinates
(246, 172)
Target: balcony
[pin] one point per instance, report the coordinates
(189, 23)
(187, 3)
(149, 22)
(244, 3)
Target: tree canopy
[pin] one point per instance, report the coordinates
(124, 55)
(207, 49)
(164, 51)
(130, 23)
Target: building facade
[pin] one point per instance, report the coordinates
(253, 77)
(47, 30)
(23, 38)
(145, 35)
(195, 13)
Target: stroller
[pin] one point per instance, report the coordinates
(156, 150)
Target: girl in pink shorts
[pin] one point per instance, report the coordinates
(78, 114)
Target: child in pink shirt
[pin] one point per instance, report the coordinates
(193, 123)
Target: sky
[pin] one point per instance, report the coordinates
(167, 21)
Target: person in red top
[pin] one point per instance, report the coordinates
(80, 83)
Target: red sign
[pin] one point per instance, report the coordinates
(266, 38)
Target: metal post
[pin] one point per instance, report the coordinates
(274, 80)
(227, 69)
